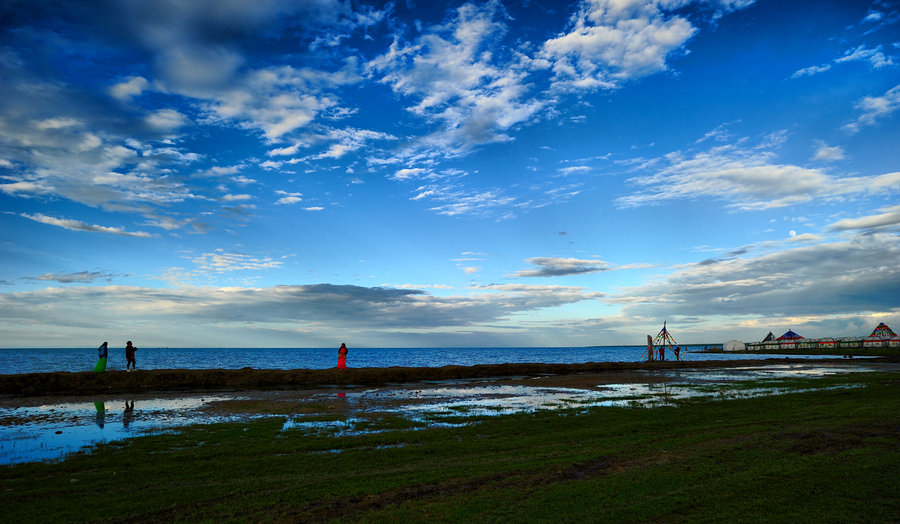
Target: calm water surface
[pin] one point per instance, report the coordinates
(39, 360)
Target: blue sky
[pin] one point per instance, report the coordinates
(300, 174)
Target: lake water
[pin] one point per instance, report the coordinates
(39, 360)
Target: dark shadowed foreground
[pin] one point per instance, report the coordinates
(143, 381)
(826, 450)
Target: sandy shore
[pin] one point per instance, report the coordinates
(165, 380)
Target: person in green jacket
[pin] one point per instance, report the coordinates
(102, 353)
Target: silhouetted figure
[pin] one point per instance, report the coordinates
(129, 356)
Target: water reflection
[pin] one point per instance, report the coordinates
(128, 414)
(101, 413)
(49, 430)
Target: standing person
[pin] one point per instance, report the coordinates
(129, 356)
(102, 354)
(677, 352)
(342, 356)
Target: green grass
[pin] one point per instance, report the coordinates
(818, 456)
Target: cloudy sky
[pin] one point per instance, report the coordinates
(436, 173)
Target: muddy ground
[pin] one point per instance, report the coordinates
(200, 380)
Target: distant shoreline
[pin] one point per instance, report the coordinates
(193, 380)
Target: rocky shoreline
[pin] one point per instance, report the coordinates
(167, 380)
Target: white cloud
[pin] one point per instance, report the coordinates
(873, 16)
(168, 223)
(222, 261)
(410, 173)
(288, 198)
(132, 87)
(453, 201)
(268, 164)
(613, 41)
(235, 198)
(888, 218)
(201, 314)
(350, 139)
(747, 178)
(874, 108)
(828, 153)
(100, 156)
(565, 171)
(57, 123)
(25, 189)
(811, 70)
(77, 225)
(285, 151)
(224, 170)
(273, 101)
(823, 278)
(166, 120)
(456, 78)
(875, 58)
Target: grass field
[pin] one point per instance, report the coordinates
(830, 455)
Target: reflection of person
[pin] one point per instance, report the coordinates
(128, 414)
(101, 413)
(129, 356)
(342, 357)
(102, 354)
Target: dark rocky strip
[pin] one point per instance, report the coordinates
(157, 380)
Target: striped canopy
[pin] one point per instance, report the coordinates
(790, 335)
(883, 331)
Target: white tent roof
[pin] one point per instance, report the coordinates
(733, 345)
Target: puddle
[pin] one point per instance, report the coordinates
(44, 430)
(51, 431)
(335, 428)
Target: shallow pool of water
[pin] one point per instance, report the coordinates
(48, 429)
(53, 430)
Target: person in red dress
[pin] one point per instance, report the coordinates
(342, 357)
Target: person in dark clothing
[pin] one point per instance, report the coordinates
(129, 357)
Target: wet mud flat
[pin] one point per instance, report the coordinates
(194, 380)
(48, 427)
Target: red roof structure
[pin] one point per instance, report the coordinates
(789, 335)
(882, 331)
